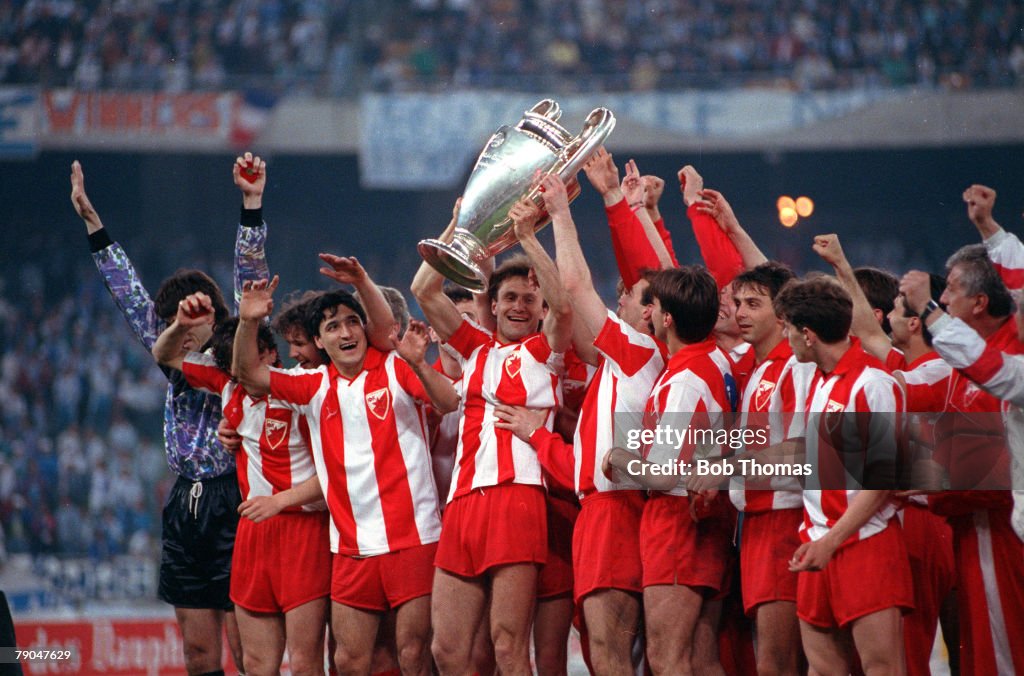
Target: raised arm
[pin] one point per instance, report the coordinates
(117, 270)
(865, 325)
(558, 322)
(635, 191)
(654, 186)
(591, 312)
(257, 304)
(428, 289)
(720, 255)
(980, 201)
(714, 204)
(380, 322)
(195, 310)
(250, 175)
(1004, 248)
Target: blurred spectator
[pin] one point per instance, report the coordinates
(584, 44)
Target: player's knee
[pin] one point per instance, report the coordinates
(413, 654)
(510, 648)
(776, 659)
(256, 665)
(201, 655)
(448, 654)
(348, 661)
(551, 660)
(304, 663)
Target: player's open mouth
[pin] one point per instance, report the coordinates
(512, 318)
(345, 347)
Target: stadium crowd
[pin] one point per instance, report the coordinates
(337, 47)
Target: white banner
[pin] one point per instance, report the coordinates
(19, 136)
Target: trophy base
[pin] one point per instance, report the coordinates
(453, 263)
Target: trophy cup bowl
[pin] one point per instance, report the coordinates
(507, 170)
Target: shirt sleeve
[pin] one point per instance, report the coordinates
(250, 251)
(201, 372)
(409, 381)
(627, 348)
(1007, 254)
(296, 386)
(467, 338)
(666, 237)
(882, 433)
(633, 251)
(1000, 374)
(556, 457)
(128, 293)
(720, 255)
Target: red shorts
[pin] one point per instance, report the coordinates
(267, 554)
(864, 577)
(606, 543)
(675, 550)
(555, 577)
(929, 542)
(493, 526)
(384, 581)
(767, 543)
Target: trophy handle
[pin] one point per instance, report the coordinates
(548, 108)
(598, 126)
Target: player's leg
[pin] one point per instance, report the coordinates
(612, 617)
(412, 636)
(778, 638)
(234, 637)
(878, 640)
(704, 657)
(200, 636)
(670, 613)
(551, 624)
(456, 611)
(483, 649)
(304, 628)
(355, 630)
(513, 594)
(262, 634)
(826, 649)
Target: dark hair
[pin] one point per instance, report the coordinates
(980, 278)
(457, 294)
(937, 283)
(292, 316)
(642, 273)
(767, 277)
(690, 295)
(222, 342)
(183, 283)
(881, 289)
(820, 304)
(326, 304)
(517, 266)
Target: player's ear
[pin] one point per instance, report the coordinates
(319, 343)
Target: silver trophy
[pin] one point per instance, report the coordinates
(506, 170)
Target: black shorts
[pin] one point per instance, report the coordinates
(199, 524)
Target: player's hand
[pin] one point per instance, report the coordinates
(556, 200)
(690, 184)
(413, 348)
(250, 175)
(601, 171)
(259, 508)
(228, 436)
(830, 250)
(524, 215)
(194, 309)
(257, 299)
(522, 421)
(980, 200)
(811, 556)
(714, 204)
(344, 270)
(79, 200)
(702, 503)
(653, 188)
(916, 287)
(633, 186)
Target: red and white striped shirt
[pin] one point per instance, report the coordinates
(369, 442)
(524, 373)
(630, 364)
(773, 401)
(691, 396)
(275, 453)
(1007, 254)
(857, 385)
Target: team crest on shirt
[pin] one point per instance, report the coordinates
(763, 394)
(833, 409)
(276, 431)
(971, 393)
(379, 402)
(513, 363)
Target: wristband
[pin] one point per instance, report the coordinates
(931, 307)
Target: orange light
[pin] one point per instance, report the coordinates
(787, 216)
(785, 202)
(804, 206)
